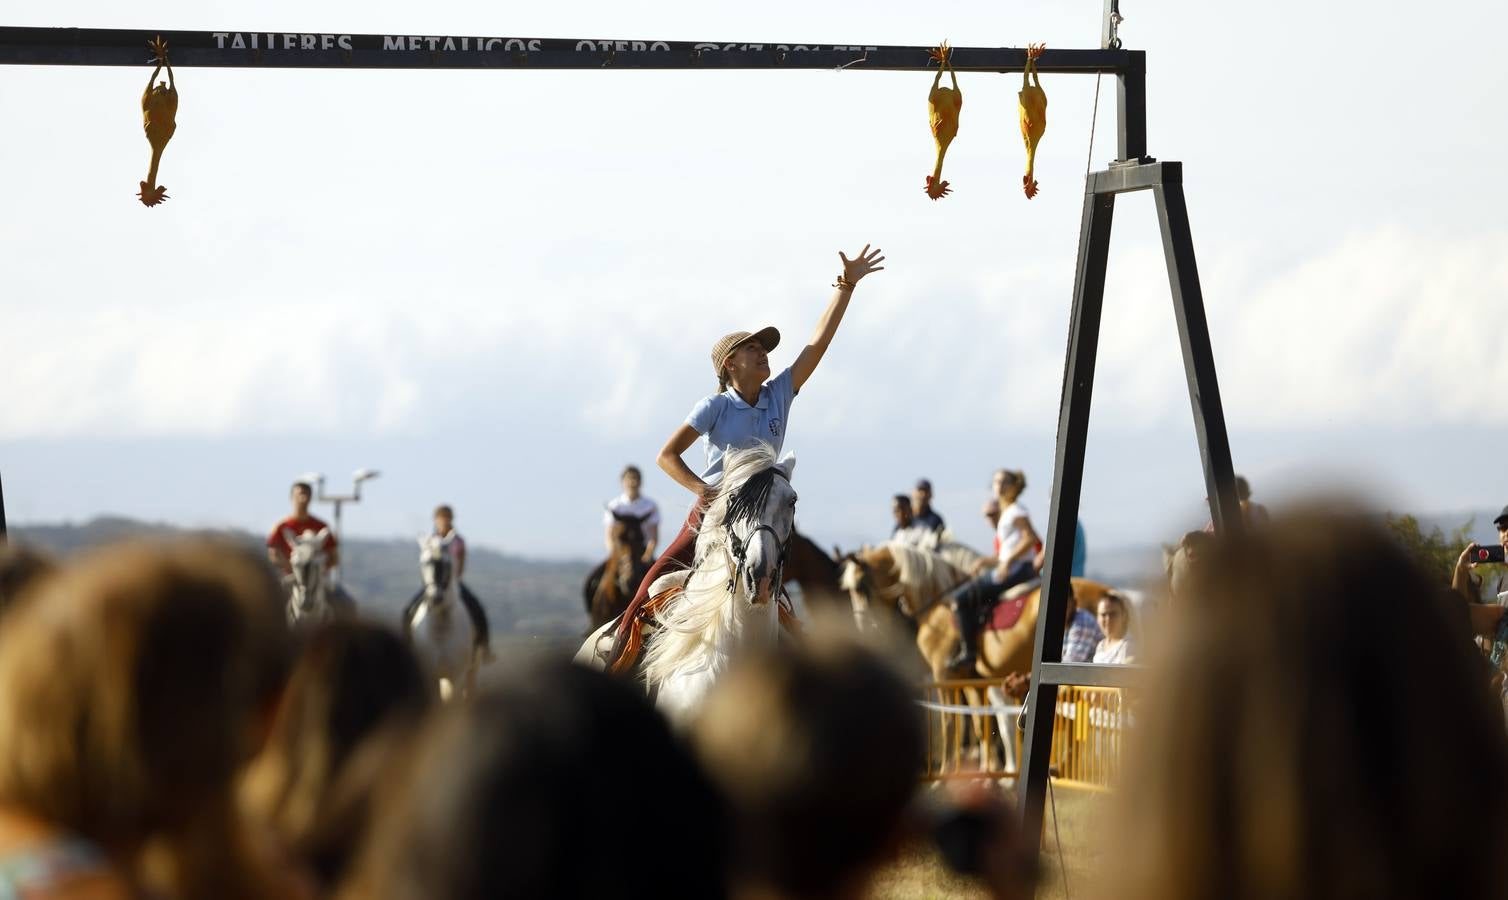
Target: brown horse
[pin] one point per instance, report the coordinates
(611, 585)
(817, 575)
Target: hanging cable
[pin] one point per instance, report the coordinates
(1094, 119)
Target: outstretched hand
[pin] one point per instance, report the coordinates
(867, 261)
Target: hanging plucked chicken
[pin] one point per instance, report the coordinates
(1033, 115)
(943, 105)
(159, 114)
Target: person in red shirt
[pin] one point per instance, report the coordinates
(278, 549)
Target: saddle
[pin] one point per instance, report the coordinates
(1007, 610)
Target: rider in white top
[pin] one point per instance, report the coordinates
(636, 505)
(1018, 547)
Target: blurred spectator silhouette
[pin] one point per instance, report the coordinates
(22, 568)
(554, 783)
(1317, 726)
(351, 680)
(133, 685)
(818, 748)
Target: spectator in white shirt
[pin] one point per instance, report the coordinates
(1115, 620)
(634, 504)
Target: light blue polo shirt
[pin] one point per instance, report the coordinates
(726, 422)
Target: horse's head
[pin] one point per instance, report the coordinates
(306, 563)
(858, 579)
(758, 513)
(628, 532)
(435, 564)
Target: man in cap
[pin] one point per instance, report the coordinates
(750, 407)
(921, 507)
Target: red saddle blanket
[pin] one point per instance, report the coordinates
(1007, 612)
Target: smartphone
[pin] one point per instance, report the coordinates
(1488, 554)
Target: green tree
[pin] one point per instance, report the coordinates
(1434, 551)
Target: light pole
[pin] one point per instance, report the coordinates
(357, 477)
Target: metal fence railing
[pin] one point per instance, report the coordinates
(972, 733)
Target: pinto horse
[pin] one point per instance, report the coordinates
(612, 584)
(699, 619)
(907, 585)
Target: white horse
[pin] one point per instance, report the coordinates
(311, 599)
(441, 632)
(729, 599)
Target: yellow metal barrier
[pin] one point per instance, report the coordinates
(967, 719)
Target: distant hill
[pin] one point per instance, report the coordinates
(524, 598)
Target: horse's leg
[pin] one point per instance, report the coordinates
(447, 689)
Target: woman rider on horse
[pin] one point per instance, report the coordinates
(750, 407)
(1013, 565)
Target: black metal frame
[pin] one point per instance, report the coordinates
(1133, 171)
(262, 49)
(1165, 180)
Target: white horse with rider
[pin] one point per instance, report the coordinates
(439, 628)
(312, 596)
(699, 619)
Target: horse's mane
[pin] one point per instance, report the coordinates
(690, 627)
(926, 574)
(745, 486)
(959, 556)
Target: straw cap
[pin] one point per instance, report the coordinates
(768, 338)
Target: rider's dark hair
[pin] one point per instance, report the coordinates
(631, 470)
(444, 510)
(308, 488)
(902, 499)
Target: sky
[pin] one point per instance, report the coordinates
(500, 287)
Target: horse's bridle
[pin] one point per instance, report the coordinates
(739, 549)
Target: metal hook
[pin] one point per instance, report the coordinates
(1113, 20)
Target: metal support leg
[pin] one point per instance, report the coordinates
(1068, 476)
(1198, 357)
(2, 512)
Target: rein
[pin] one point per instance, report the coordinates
(747, 505)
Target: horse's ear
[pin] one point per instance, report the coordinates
(837, 553)
(323, 534)
(290, 537)
(788, 465)
(424, 542)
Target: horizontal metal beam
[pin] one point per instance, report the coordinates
(1089, 675)
(338, 50)
(1121, 179)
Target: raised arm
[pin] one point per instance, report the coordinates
(671, 464)
(827, 326)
